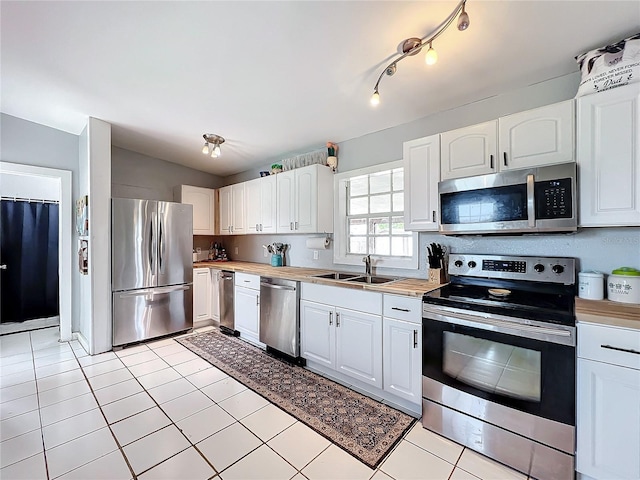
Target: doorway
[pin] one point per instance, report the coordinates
(35, 255)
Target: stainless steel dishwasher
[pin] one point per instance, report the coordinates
(226, 286)
(279, 318)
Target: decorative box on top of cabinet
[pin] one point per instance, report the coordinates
(533, 138)
(305, 200)
(421, 161)
(203, 201)
(608, 157)
(608, 403)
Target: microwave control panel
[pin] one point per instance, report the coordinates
(553, 199)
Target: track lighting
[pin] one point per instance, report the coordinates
(413, 45)
(212, 144)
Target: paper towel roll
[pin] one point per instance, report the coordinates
(318, 243)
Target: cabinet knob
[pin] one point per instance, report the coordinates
(296, 225)
(337, 319)
(415, 339)
(505, 159)
(330, 318)
(491, 161)
(291, 226)
(433, 216)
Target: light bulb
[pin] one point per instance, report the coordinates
(375, 98)
(215, 153)
(205, 148)
(431, 57)
(463, 20)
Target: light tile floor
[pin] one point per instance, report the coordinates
(158, 411)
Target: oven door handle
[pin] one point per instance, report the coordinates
(549, 334)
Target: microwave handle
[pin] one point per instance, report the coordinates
(531, 200)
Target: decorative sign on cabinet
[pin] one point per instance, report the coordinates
(204, 207)
(608, 157)
(533, 138)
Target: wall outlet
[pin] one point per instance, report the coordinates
(315, 254)
(235, 250)
(265, 252)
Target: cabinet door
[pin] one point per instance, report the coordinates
(286, 201)
(317, 333)
(226, 201)
(253, 205)
(359, 346)
(542, 136)
(402, 354)
(246, 304)
(608, 156)
(203, 202)
(306, 188)
(201, 294)
(215, 294)
(268, 204)
(608, 421)
(238, 214)
(469, 151)
(421, 176)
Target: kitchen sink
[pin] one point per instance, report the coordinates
(373, 279)
(337, 276)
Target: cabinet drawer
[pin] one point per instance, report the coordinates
(247, 280)
(408, 309)
(609, 344)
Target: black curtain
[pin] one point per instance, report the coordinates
(29, 249)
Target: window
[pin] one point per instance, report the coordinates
(370, 218)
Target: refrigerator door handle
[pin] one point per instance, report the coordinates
(151, 253)
(160, 248)
(154, 291)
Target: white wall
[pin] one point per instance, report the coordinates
(23, 186)
(597, 248)
(134, 175)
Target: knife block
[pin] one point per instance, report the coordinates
(437, 275)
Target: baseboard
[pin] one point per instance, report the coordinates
(83, 341)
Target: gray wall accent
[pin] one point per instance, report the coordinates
(29, 143)
(597, 248)
(134, 175)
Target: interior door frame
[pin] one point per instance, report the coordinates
(65, 251)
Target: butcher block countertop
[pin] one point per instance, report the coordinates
(606, 312)
(409, 287)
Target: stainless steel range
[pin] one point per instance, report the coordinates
(499, 360)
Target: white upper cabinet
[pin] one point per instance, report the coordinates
(533, 138)
(232, 210)
(469, 151)
(542, 136)
(305, 200)
(608, 156)
(204, 207)
(421, 175)
(260, 196)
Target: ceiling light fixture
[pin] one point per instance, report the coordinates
(212, 144)
(413, 45)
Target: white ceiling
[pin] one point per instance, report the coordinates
(276, 78)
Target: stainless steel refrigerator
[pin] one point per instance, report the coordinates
(151, 269)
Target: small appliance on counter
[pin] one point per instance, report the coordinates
(591, 285)
(624, 285)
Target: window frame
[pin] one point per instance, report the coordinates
(340, 237)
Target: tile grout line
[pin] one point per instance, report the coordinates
(44, 449)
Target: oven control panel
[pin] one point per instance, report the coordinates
(541, 269)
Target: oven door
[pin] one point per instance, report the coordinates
(529, 367)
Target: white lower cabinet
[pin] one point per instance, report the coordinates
(201, 294)
(246, 304)
(402, 347)
(215, 294)
(344, 340)
(608, 403)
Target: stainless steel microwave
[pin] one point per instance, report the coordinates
(534, 200)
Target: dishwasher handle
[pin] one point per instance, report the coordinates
(277, 287)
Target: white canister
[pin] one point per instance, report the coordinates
(624, 285)
(591, 285)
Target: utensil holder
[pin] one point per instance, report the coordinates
(276, 260)
(437, 275)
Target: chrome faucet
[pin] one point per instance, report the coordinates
(367, 264)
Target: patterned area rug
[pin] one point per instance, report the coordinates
(361, 426)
